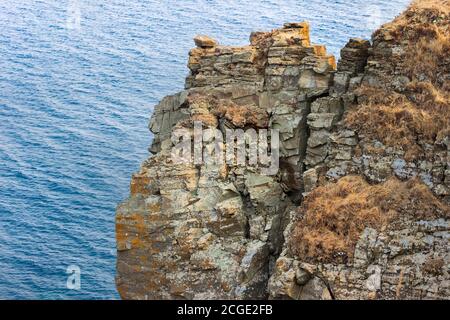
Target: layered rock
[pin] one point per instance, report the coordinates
(359, 207)
(350, 240)
(214, 231)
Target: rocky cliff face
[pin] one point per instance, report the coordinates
(359, 207)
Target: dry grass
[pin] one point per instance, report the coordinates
(395, 120)
(433, 266)
(421, 112)
(332, 217)
(419, 20)
(428, 58)
(441, 5)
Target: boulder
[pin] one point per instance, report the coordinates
(203, 41)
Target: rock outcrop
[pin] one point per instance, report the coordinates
(359, 206)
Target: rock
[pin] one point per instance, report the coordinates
(310, 79)
(314, 289)
(321, 120)
(243, 56)
(310, 178)
(373, 282)
(318, 138)
(315, 156)
(341, 82)
(257, 38)
(209, 230)
(283, 284)
(400, 169)
(344, 137)
(292, 34)
(202, 41)
(354, 56)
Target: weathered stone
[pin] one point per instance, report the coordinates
(310, 179)
(345, 137)
(222, 231)
(314, 156)
(282, 284)
(321, 120)
(354, 56)
(257, 38)
(314, 289)
(297, 34)
(318, 138)
(341, 82)
(343, 153)
(247, 56)
(204, 41)
(309, 79)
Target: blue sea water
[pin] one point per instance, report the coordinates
(78, 80)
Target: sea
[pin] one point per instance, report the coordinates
(78, 82)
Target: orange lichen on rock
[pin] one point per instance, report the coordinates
(128, 230)
(201, 109)
(240, 116)
(139, 184)
(332, 217)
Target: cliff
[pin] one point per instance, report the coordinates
(358, 205)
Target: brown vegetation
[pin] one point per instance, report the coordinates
(424, 32)
(242, 116)
(433, 266)
(420, 110)
(332, 217)
(395, 120)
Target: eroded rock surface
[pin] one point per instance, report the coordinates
(369, 127)
(229, 231)
(211, 231)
